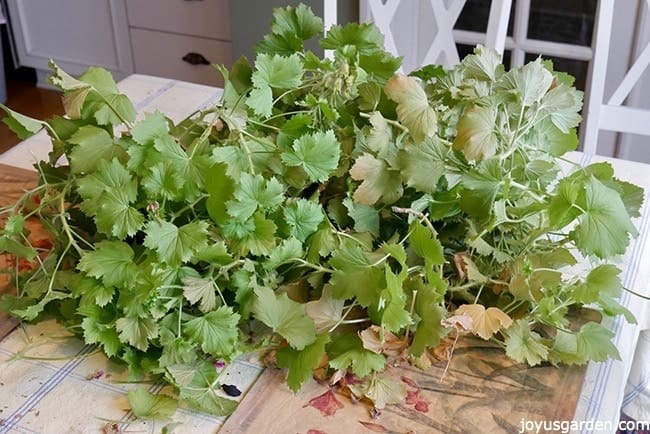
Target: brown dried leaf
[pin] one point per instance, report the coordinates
(460, 322)
(485, 322)
(390, 345)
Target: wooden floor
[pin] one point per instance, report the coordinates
(24, 97)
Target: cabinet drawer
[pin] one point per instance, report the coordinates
(206, 18)
(161, 54)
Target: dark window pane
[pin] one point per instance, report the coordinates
(577, 68)
(475, 14)
(569, 21)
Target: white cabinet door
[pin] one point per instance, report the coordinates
(74, 33)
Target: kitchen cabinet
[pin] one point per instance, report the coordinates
(180, 39)
(74, 33)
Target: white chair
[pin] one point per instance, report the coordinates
(442, 49)
(600, 114)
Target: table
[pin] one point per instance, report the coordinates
(36, 386)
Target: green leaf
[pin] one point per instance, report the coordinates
(529, 82)
(423, 164)
(152, 126)
(260, 100)
(200, 290)
(100, 79)
(302, 363)
(362, 284)
(611, 307)
(476, 137)
(349, 257)
(605, 227)
(347, 351)
(261, 239)
(119, 104)
(565, 349)
(220, 189)
(215, 331)
(163, 181)
(303, 217)
(93, 145)
(425, 244)
(290, 249)
(413, 108)
(254, 192)
(96, 332)
(366, 218)
(594, 341)
(137, 331)
(175, 245)
(112, 262)
(23, 126)
(10, 245)
(281, 72)
(429, 331)
(365, 37)
(394, 316)
(14, 225)
(554, 140)
(562, 104)
(94, 290)
(32, 311)
(484, 64)
(146, 405)
(109, 176)
(378, 181)
(480, 188)
(115, 216)
(601, 280)
(317, 154)
(197, 387)
(176, 351)
(285, 317)
(561, 211)
(299, 21)
(524, 345)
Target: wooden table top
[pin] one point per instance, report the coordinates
(13, 182)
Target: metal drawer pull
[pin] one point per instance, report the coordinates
(195, 58)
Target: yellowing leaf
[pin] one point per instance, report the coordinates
(485, 322)
(413, 108)
(73, 101)
(380, 138)
(379, 182)
(383, 391)
(326, 311)
(461, 323)
(382, 341)
(196, 289)
(476, 138)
